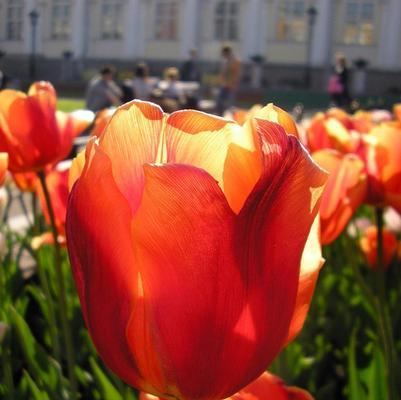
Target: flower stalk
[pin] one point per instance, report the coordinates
(61, 285)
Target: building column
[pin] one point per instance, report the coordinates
(134, 29)
(79, 28)
(322, 34)
(390, 35)
(252, 43)
(189, 32)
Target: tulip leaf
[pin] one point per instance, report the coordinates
(355, 388)
(105, 387)
(43, 368)
(36, 393)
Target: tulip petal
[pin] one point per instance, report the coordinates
(311, 263)
(101, 255)
(131, 139)
(183, 242)
(288, 197)
(223, 149)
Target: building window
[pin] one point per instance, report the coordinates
(166, 24)
(15, 19)
(111, 19)
(226, 20)
(359, 22)
(291, 21)
(60, 22)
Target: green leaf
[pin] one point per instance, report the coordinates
(356, 391)
(44, 369)
(37, 394)
(105, 387)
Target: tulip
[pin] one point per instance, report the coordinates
(3, 167)
(31, 131)
(368, 245)
(345, 191)
(332, 130)
(266, 387)
(382, 155)
(185, 235)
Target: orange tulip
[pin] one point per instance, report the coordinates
(3, 167)
(368, 245)
(382, 154)
(31, 131)
(266, 387)
(190, 221)
(332, 130)
(346, 189)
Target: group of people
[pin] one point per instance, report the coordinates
(178, 88)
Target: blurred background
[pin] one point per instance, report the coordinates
(286, 47)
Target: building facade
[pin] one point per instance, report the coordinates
(280, 31)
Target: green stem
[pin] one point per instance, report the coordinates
(44, 283)
(384, 321)
(63, 294)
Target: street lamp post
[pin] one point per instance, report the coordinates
(312, 14)
(33, 17)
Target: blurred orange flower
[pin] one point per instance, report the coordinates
(345, 190)
(31, 131)
(382, 154)
(215, 213)
(368, 245)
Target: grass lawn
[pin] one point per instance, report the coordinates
(68, 104)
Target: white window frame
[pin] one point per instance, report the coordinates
(111, 17)
(60, 28)
(362, 19)
(226, 20)
(292, 24)
(15, 16)
(166, 19)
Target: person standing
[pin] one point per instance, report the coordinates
(141, 85)
(338, 87)
(102, 91)
(190, 71)
(229, 77)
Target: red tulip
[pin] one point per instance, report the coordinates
(368, 245)
(266, 387)
(185, 235)
(30, 130)
(3, 167)
(345, 191)
(382, 153)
